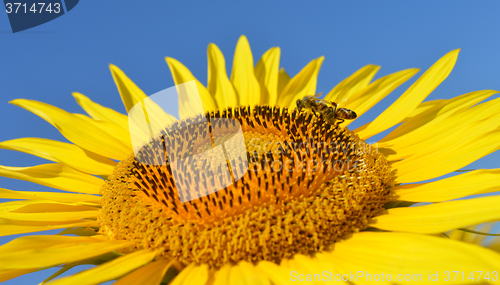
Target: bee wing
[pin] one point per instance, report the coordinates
(308, 97)
(318, 94)
(340, 103)
(315, 97)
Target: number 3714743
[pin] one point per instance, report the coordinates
(34, 8)
(473, 275)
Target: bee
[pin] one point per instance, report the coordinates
(310, 103)
(330, 110)
(332, 114)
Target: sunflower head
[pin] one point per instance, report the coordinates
(258, 179)
(300, 184)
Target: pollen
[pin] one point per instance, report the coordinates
(301, 184)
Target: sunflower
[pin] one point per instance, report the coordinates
(310, 200)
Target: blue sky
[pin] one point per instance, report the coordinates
(72, 53)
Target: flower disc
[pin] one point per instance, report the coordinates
(301, 184)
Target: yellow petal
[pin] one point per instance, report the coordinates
(56, 216)
(349, 271)
(181, 74)
(146, 114)
(9, 274)
(475, 122)
(459, 235)
(267, 72)
(421, 167)
(283, 80)
(302, 84)
(147, 119)
(402, 253)
(77, 130)
(100, 112)
(417, 126)
(86, 231)
(472, 183)
(45, 211)
(13, 227)
(129, 92)
(65, 153)
(52, 196)
(151, 274)
(367, 97)
(236, 276)
(426, 107)
(55, 175)
(477, 238)
(192, 274)
(245, 273)
(221, 276)
(279, 275)
(420, 116)
(243, 77)
(441, 217)
(15, 205)
(44, 251)
(470, 237)
(417, 92)
(354, 83)
(120, 134)
(109, 270)
(219, 85)
(317, 270)
(495, 246)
